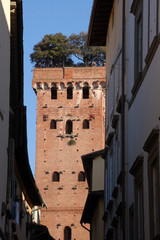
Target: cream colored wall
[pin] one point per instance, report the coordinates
(4, 96)
(98, 174)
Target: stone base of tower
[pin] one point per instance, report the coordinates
(58, 219)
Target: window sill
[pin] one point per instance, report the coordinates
(109, 137)
(119, 209)
(115, 192)
(114, 222)
(114, 120)
(110, 205)
(119, 179)
(134, 6)
(152, 50)
(105, 216)
(138, 163)
(137, 83)
(118, 108)
(148, 60)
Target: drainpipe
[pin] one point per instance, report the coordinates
(123, 121)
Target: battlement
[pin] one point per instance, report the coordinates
(77, 77)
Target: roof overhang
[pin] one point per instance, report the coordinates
(99, 20)
(90, 205)
(40, 232)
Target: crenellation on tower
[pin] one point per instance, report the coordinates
(70, 123)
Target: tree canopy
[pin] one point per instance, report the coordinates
(84, 53)
(57, 50)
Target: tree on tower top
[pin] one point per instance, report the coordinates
(56, 50)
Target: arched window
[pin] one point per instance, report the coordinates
(103, 84)
(81, 177)
(53, 124)
(67, 233)
(62, 86)
(77, 85)
(86, 124)
(54, 92)
(69, 127)
(86, 91)
(45, 85)
(95, 85)
(55, 177)
(70, 91)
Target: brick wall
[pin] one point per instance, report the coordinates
(66, 198)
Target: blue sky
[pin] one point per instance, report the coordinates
(46, 17)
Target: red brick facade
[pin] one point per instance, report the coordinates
(59, 149)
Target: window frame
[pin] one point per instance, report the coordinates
(86, 91)
(153, 161)
(151, 146)
(138, 58)
(81, 177)
(137, 171)
(53, 121)
(68, 234)
(53, 93)
(69, 127)
(69, 92)
(86, 124)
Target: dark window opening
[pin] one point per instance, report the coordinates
(53, 93)
(85, 92)
(53, 124)
(67, 233)
(69, 93)
(55, 177)
(86, 124)
(81, 177)
(45, 118)
(69, 127)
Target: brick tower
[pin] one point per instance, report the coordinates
(70, 123)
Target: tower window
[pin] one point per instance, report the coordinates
(69, 93)
(53, 93)
(53, 124)
(81, 177)
(67, 233)
(86, 124)
(62, 86)
(55, 177)
(77, 86)
(69, 127)
(95, 85)
(86, 91)
(45, 118)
